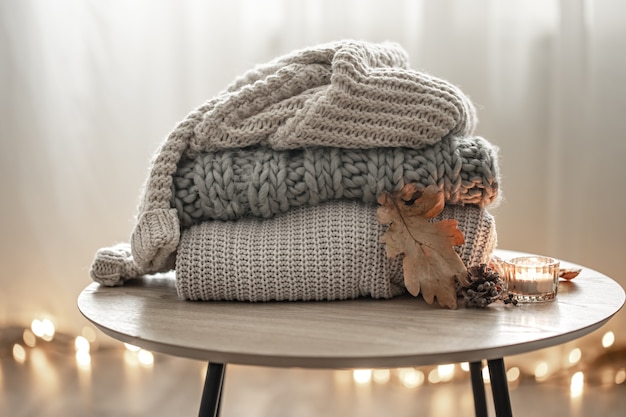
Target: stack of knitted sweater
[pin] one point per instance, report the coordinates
(268, 191)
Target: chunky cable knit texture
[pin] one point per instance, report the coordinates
(325, 252)
(262, 182)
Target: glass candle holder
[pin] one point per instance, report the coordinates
(532, 279)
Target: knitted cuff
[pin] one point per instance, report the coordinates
(112, 266)
(154, 240)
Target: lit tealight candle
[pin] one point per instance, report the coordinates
(532, 278)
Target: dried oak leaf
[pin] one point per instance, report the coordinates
(430, 263)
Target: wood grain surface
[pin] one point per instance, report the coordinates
(403, 331)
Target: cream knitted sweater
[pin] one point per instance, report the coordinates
(330, 251)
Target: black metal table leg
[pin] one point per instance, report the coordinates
(478, 387)
(212, 392)
(499, 388)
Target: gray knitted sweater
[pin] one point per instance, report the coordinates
(262, 182)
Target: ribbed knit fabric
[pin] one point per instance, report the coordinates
(325, 252)
(262, 182)
(346, 94)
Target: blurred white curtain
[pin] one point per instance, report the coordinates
(88, 89)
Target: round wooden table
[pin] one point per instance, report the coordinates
(362, 333)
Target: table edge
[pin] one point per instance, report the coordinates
(338, 362)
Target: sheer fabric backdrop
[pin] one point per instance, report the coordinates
(89, 89)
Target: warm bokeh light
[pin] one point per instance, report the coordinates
(381, 376)
(486, 375)
(513, 374)
(541, 371)
(446, 372)
(434, 377)
(83, 359)
(131, 348)
(608, 339)
(574, 356)
(362, 376)
(89, 333)
(34, 353)
(576, 385)
(19, 353)
(37, 327)
(146, 358)
(48, 330)
(81, 344)
(130, 358)
(410, 377)
(29, 338)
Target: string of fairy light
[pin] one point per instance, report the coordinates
(416, 377)
(44, 330)
(42, 333)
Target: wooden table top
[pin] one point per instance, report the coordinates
(403, 331)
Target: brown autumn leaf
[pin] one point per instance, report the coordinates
(569, 273)
(430, 263)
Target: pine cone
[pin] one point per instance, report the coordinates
(486, 286)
